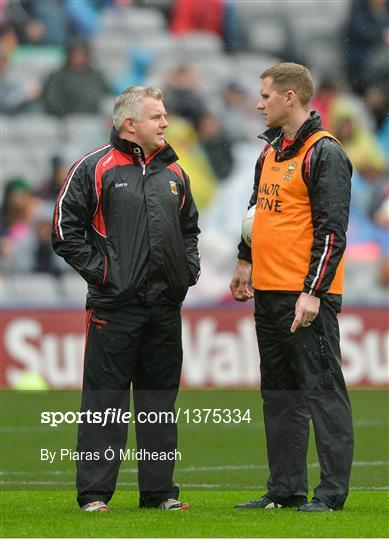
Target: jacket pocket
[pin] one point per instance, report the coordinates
(177, 278)
(326, 378)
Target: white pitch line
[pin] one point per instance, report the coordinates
(221, 468)
(245, 467)
(368, 422)
(359, 464)
(369, 488)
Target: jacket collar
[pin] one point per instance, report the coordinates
(275, 136)
(161, 158)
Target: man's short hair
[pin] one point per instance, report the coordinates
(289, 76)
(129, 103)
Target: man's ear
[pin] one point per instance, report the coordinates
(290, 97)
(129, 125)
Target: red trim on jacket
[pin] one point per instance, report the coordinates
(307, 164)
(105, 271)
(65, 184)
(153, 154)
(107, 162)
(323, 270)
(87, 326)
(67, 180)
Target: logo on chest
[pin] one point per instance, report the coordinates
(173, 187)
(290, 171)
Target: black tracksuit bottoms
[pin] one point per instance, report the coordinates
(301, 378)
(141, 346)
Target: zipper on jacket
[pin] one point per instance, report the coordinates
(142, 164)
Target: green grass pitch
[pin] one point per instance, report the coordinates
(222, 464)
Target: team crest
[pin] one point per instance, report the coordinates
(290, 171)
(173, 187)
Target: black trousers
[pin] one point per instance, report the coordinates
(140, 346)
(301, 378)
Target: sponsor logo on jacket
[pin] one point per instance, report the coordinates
(173, 187)
(290, 171)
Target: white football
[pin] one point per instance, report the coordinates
(247, 225)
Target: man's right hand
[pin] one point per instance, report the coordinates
(239, 285)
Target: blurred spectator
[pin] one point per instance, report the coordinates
(190, 15)
(233, 112)
(19, 14)
(26, 231)
(16, 223)
(361, 145)
(29, 250)
(76, 87)
(164, 6)
(128, 3)
(183, 96)
(379, 208)
(184, 139)
(43, 258)
(17, 94)
(383, 138)
(221, 225)
(140, 61)
(53, 22)
(376, 99)
(218, 17)
(20, 92)
(362, 245)
(366, 38)
(379, 212)
(84, 16)
(327, 92)
(17, 207)
(54, 18)
(8, 39)
(234, 34)
(52, 187)
(216, 145)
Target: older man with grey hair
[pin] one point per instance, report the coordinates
(126, 221)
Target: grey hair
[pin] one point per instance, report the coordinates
(129, 103)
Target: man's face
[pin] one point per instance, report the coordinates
(149, 130)
(272, 105)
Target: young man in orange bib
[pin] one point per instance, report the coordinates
(302, 196)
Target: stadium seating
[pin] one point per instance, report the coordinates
(39, 289)
(132, 21)
(310, 31)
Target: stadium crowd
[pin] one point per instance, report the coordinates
(64, 61)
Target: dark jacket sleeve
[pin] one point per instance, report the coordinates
(244, 251)
(72, 219)
(189, 218)
(328, 178)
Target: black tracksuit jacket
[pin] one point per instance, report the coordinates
(128, 225)
(327, 173)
